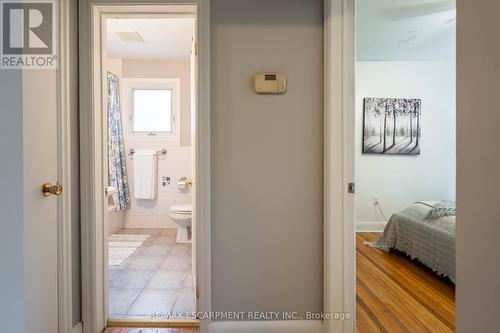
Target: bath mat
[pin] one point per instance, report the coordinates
(121, 246)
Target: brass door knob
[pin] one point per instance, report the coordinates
(48, 189)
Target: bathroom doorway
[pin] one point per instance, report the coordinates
(148, 70)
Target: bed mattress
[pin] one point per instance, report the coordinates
(431, 242)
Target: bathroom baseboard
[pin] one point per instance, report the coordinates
(140, 223)
(266, 326)
(374, 226)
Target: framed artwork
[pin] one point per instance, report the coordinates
(391, 126)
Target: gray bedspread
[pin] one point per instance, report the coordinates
(431, 242)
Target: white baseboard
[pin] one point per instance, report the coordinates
(266, 326)
(78, 328)
(374, 226)
(148, 222)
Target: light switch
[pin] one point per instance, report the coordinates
(165, 181)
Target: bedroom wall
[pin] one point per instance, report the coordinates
(478, 157)
(400, 180)
(267, 157)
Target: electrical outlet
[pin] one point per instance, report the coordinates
(376, 201)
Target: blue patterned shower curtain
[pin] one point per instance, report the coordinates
(117, 171)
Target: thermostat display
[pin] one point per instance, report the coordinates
(270, 83)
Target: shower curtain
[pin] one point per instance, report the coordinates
(117, 171)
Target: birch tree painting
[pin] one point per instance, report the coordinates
(391, 126)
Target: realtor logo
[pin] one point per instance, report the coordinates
(28, 35)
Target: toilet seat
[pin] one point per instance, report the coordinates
(185, 209)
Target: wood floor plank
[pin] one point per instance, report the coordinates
(416, 288)
(366, 320)
(396, 294)
(402, 318)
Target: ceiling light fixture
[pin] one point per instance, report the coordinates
(130, 36)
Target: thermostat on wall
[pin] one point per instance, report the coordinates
(270, 83)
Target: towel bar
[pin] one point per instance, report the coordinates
(163, 151)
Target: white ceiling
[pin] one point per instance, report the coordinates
(164, 38)
(405, 30)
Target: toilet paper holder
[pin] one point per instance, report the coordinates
(184, 183)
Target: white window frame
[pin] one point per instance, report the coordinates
(128, 85)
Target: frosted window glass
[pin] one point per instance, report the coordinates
(152, 110)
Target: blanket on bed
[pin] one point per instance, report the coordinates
(431, 241)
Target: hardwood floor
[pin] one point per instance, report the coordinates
(397, 295)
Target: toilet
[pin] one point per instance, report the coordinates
(181, 215)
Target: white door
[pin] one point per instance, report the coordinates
(40, 165)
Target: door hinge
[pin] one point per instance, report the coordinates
(351, 188)
(197, 292)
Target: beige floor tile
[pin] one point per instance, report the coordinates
(166, 279)
(121, 299)
(185, 301)
(145, 262)
(157, 250)
(153, 301)
(164, 240)
(132, 278)
(175, 262)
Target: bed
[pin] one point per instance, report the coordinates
(430, 241)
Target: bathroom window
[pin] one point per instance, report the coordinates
(152, 110)
(153, 107)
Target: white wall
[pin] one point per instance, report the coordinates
(400, 180)
(154, 213)
(177, 162)
(166, 69)
(114, 66)
(478, 157)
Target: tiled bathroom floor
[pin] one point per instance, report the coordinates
(156, 278)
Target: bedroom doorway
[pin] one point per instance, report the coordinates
(405, 166)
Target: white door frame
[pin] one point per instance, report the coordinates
(339, 241)
(94, 276)
(64, 208)
(339, 272)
